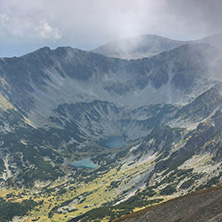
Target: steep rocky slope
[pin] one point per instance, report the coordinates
(41, 81)
(199, 206)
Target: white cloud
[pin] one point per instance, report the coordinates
(89, 23)
(42, 30)
(3, 18)
(48, 32)
(26, 22)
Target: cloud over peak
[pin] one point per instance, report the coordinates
(89, 23)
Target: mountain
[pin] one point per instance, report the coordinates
(138, 47)
(63, 105)
(168, 163)
(70, 75)
(149, 45)
(46, 83)
(214, 40)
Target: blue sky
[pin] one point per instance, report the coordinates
(26, 25)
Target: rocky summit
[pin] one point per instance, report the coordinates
(157, 102)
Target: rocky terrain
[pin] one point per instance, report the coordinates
(199, 206)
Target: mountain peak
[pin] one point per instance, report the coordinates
(44, 49)
(138, 47)
(215, 40)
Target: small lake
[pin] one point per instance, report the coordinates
(85, 163)
(113, 142)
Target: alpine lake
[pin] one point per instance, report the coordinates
(109, 143)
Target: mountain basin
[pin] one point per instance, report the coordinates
(85, 163)
(113, 142)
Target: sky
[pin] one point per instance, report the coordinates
(26, 25)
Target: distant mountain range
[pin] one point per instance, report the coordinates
(163, 97)
(148, 45)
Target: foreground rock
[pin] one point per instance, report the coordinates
(200, 206)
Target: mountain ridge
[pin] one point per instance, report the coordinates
(138, 47)
(149, 45)
(200, 201)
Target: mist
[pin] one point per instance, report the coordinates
(87, 24)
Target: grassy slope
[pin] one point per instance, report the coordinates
(99, 193)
